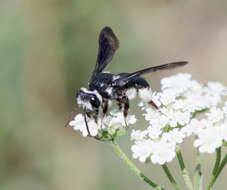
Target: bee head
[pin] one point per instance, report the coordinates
(88, 100)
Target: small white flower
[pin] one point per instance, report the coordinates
(154, 132)
(194, 127)
(116, 121)
(225, 108)
(215, 115)
(217, 88)
(174, 136)
(79, 124)
(141, 104)
(162, 152)
(150, 113)
(167, 97)
(145, 94)
(117, 118)
(131, 93)
(209, 139)
(178, 83)
(156, 119)
(112, 123)
(138, 135)
(224, 131)
(142, 150)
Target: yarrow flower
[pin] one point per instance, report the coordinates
(171, 115)
(181, 99)
(105, 128)
(79, 124)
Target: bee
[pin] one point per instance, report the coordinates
(107, 87)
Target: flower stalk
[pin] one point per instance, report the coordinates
(130, 165)
(218, 171)
(170, 177)
(217, 161)
(198, 177)
(184, 171)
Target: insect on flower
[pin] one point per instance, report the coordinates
(105, 87)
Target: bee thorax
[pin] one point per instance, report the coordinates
(115, 77)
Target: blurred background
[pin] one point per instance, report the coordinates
(48, 49)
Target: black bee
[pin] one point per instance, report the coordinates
(105, 87)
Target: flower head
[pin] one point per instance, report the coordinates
(104, 129)
(180, 101)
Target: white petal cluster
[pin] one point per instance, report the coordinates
(209, 139)
(79, 124)
(111, 124)
(116, 121)
(159, 151)
(180, 101)
(212, 131)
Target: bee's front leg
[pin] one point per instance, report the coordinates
(151, 102)
(105, 106)
(86, 123)
(123, 103)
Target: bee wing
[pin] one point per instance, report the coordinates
(171, 65)
(108, 44)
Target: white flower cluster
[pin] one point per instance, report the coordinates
(112, 125)
(179, 102)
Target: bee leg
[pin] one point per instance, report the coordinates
(151, 102)
(119, 103)
(85, 120)
(104, 109)
(125, 103)
(96, 114)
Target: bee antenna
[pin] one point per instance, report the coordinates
(85, 119)
(71, 115)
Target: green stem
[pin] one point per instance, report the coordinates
(129, 163)
(170, 177)
(219, 170)
(217, 161)
(184, 171)
(198, 177)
